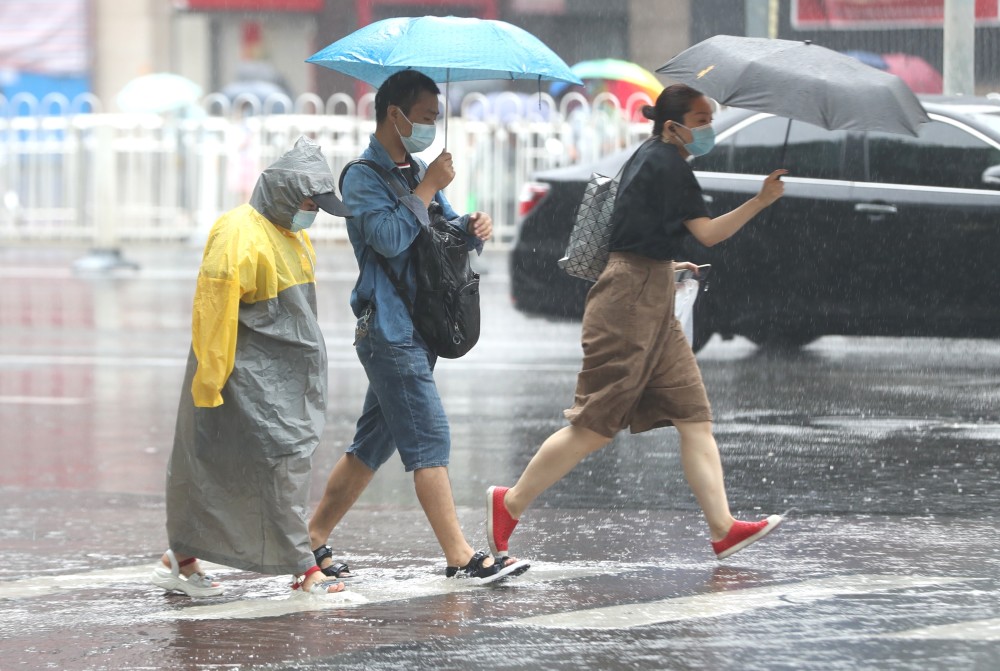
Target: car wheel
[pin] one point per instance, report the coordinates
(780, 340)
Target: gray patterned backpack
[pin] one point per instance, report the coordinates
(587, 252)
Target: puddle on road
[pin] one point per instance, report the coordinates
(394, 617)
(253, 597)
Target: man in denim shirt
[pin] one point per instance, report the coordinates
(402, 410)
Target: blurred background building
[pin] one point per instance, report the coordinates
(72, 46)
(142, 120)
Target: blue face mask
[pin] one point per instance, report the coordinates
(702, 140)
(421, 137)
(303, 219)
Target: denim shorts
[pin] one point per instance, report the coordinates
(402, 411)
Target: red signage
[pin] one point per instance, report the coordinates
(251, 5)
(881, 13)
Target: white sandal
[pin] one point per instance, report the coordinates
(196, 584)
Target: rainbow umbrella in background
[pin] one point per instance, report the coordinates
(614, 76)
(623, 79)
(614, 72)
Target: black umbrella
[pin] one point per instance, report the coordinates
(800, 81)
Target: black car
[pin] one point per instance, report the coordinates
(877, 233)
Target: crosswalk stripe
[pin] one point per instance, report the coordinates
(729, 602)
(382, 585)
(43, 585)
(973, 630)
(376, 585)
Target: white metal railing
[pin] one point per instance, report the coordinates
(70, 172)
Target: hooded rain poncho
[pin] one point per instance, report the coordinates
(253, 403)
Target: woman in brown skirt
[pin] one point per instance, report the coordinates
(638, 368)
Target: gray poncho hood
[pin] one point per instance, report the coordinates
(302, 172)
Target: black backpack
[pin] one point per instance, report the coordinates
(446, 309)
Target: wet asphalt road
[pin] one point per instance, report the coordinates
(885, 449)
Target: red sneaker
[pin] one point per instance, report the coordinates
(499, 524)
(742, 534)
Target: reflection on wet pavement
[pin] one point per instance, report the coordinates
(886, 449)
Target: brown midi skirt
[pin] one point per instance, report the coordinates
(638, 368)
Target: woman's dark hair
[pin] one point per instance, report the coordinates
(402, 90)
(671, 105)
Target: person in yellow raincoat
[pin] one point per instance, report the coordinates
(253, 402)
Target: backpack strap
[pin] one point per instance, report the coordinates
(401, 191)
(386, 176)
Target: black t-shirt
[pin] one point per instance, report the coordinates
(657, 193)
(409, 172)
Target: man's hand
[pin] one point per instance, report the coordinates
(480, 225)
(441, 171)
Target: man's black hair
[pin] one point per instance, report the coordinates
(402, 90)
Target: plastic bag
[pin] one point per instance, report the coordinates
(687, 294)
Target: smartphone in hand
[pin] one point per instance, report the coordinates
(686, 273)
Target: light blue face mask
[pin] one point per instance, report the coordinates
(303, 219)
(421, 137)
(702, 140)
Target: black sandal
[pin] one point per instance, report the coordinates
(498, 570)
(334, 570)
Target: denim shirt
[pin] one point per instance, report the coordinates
(387, 224)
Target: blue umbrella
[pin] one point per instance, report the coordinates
(446, 49)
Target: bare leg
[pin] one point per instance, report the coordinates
(318, 577)
(434, 492)
(557, 456)
(347, 481)
(703, 470)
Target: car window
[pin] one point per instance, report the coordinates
(811, 152)
(942, 155)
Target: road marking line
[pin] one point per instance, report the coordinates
(729, 602)
(40, 400)
(973, 630)
(43, 585)
(347, 361)
(369, 591)
(56, 360)
(374, 586)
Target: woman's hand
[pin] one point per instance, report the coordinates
(773, 188)
(686, 265)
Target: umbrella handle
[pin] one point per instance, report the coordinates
(784, 146)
